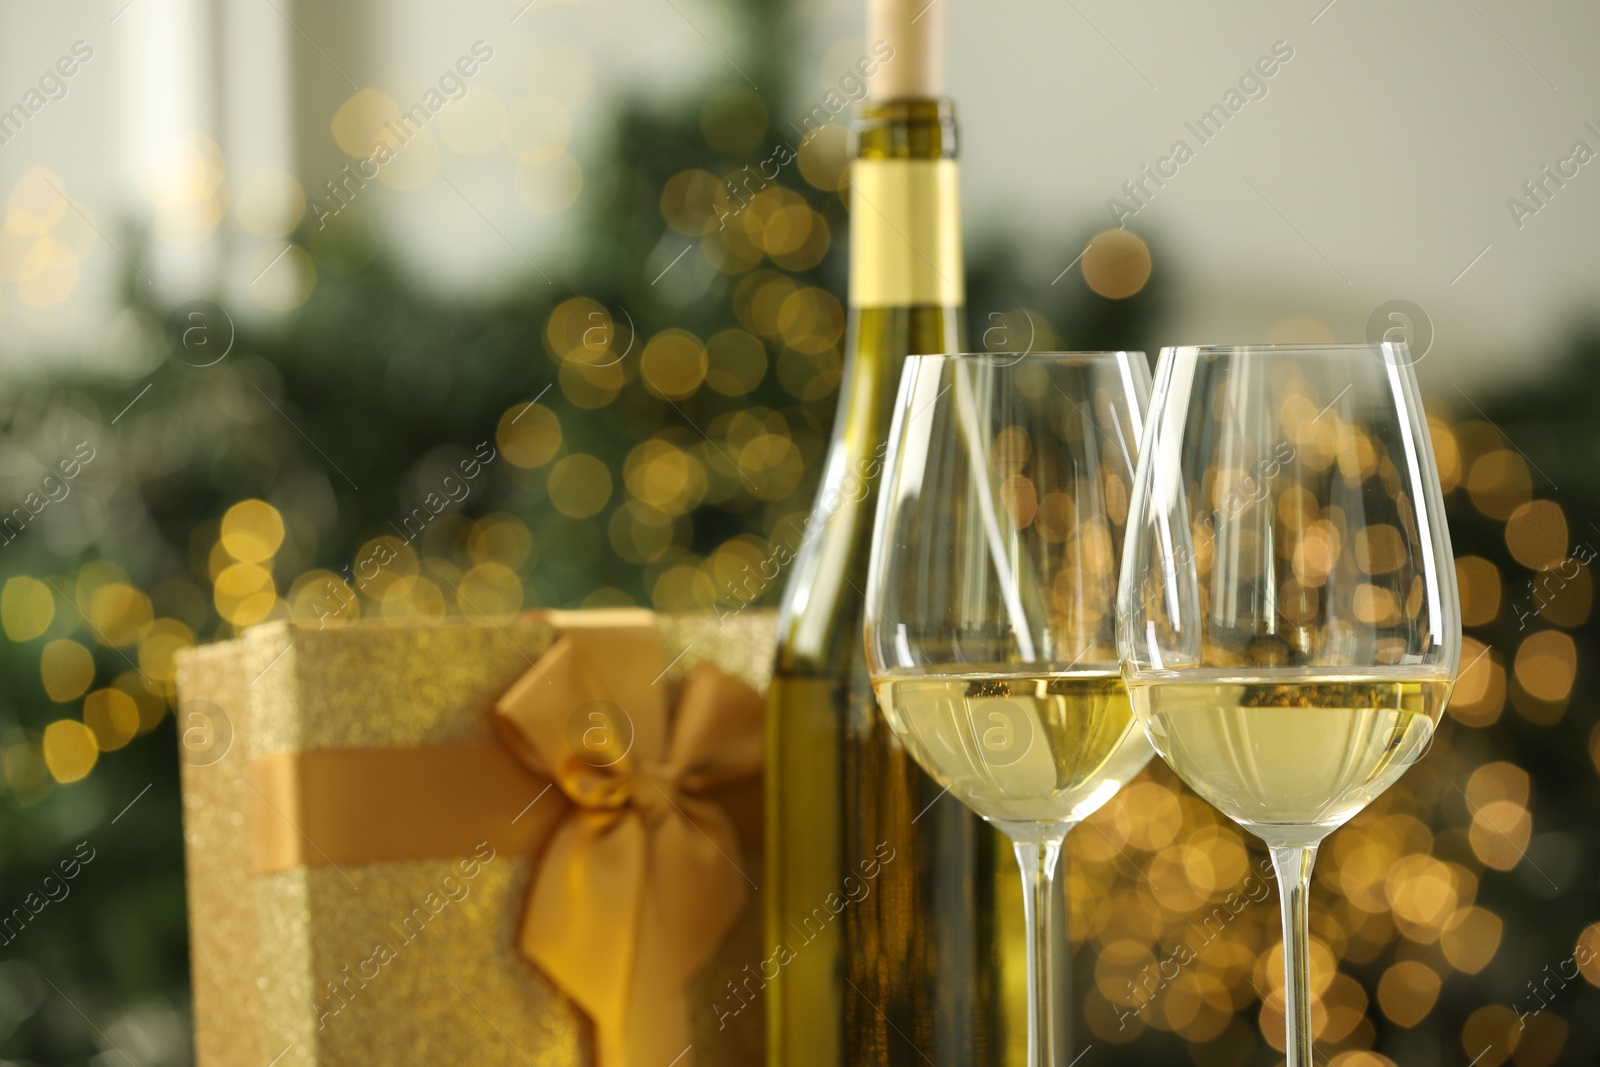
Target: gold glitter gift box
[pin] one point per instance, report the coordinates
(335, 779)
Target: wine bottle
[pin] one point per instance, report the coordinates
(883, 893)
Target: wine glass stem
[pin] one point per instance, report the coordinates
(1038, 862)
(1293, 866)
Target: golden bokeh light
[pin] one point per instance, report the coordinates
(36, 203)
(1499, 482)
(66, 668)
(1563, 595)
(693, 202)
(490, 588)
(1408, 991)
(184, 179)
(363, 122)
(776, 220)
(1497, 781)
(588, 385)
(1361, 1058)
(728, 247)
(414, 163)
(159, 646)
(673, 364)
(683, 587)
(119, 613)
(1479, 584)
(758, 298)
(810, 320)
(48, 273)
(415, 597)
(1446, 453)
(1543, 1039)
(112, 717)
(69, 750)
(736, 362)
(271, 204)
(1471, 938)
(27, 608)
(1480, 692)
(1546, 664)
(824, 158)
(1159, 816)
(1380, 549)
(582, 330)
(23, 762)
(1586, 953)
(1422, 895)
(810, 251)
(1536, 534)
(529, 435)
(1491, 1034)
(244, 593)
(323, 597)
(1374, 605)
(380, 563)
(281, 276)
(151, 703)
(640, 533)
(399, 145)
(188, 225)
(502, 539)
(665, 476)
(1500, 832)
(252, 531)
(580, 485)
(1116, 264)
(770, 466)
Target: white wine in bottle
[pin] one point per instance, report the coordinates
(1291, 756)
(883, 894)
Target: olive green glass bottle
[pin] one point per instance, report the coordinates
(882, 894)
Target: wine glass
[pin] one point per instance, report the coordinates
(990, 627)
(1290, 627)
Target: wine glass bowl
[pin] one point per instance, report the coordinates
(1289, 621)
(990, 621)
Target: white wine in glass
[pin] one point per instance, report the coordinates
(1289, 622)
(990, 629)
(1018, 749)
(1291, 757)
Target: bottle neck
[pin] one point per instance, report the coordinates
(905, 224)
(907, 287)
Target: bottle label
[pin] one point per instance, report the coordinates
(905, 233)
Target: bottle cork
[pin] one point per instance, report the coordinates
(915, 30)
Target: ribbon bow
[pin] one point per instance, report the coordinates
(638, 882)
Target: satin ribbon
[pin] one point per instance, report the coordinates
(637, 814)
